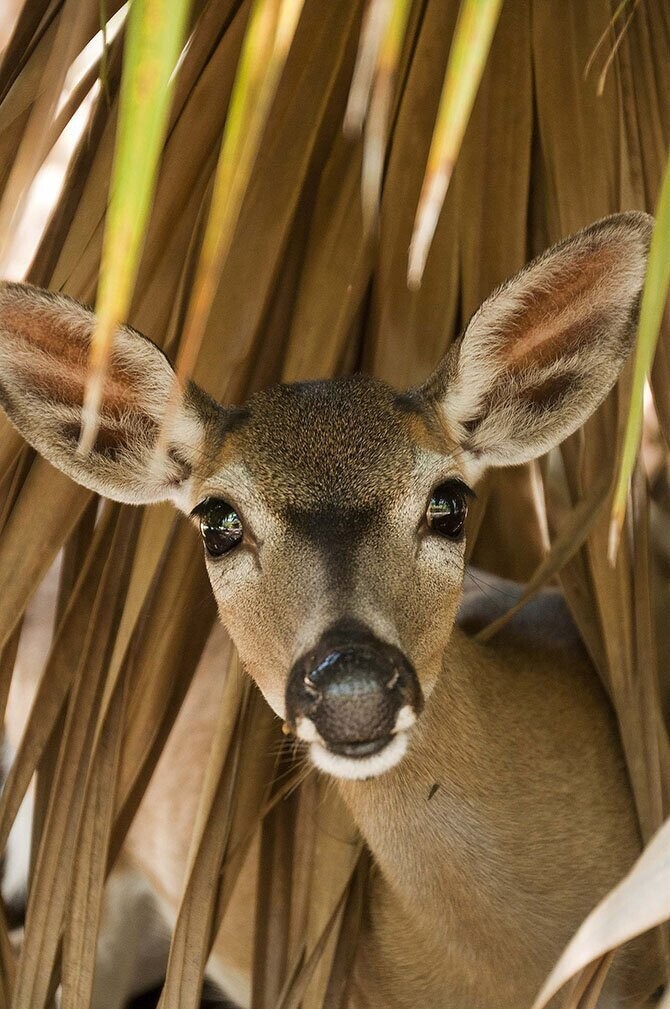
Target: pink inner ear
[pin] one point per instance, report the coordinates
(46, 330)
(558, 310)
(66, 341)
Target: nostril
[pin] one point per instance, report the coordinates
(393, 682)
(311, 688)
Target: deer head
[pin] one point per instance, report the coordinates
(332, 513)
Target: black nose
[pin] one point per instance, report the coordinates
(352, 687)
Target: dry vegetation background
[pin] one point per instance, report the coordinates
(306, 292)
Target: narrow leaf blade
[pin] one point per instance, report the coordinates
(640, 902)
(654, 296)
(477, 21)
(266, 45)
(155, 38)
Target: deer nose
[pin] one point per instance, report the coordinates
(352, 692)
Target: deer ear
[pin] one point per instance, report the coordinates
(44, 345)
(544, 349)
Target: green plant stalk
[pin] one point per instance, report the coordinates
(154, 41)
(477, 20)
(654, 295)
(266, 45)
(372, 32)
(376, 132)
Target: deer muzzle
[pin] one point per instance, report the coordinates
(352, 693)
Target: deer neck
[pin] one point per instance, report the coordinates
(512, 742)
(425, 821)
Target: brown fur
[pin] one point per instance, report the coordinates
(512, 736)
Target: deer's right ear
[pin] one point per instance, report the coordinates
(44, 345)
(544, 349)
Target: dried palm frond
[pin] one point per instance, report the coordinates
(301, 289)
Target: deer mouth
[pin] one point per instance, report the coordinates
(369, 760)
(358, 750)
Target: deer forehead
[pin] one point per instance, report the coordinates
(335, 447)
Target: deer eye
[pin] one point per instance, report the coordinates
(220, 526)
(448, 509)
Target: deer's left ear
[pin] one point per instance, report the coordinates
(44, 348)
(544, 350)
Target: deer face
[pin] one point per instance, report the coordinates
(326, 503)
(332, 513)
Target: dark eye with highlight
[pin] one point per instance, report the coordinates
(448, 509)
(220, 526)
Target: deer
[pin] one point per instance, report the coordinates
(487, 780)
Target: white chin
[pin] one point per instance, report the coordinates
(359, 768)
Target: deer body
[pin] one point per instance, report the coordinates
(488, 781)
